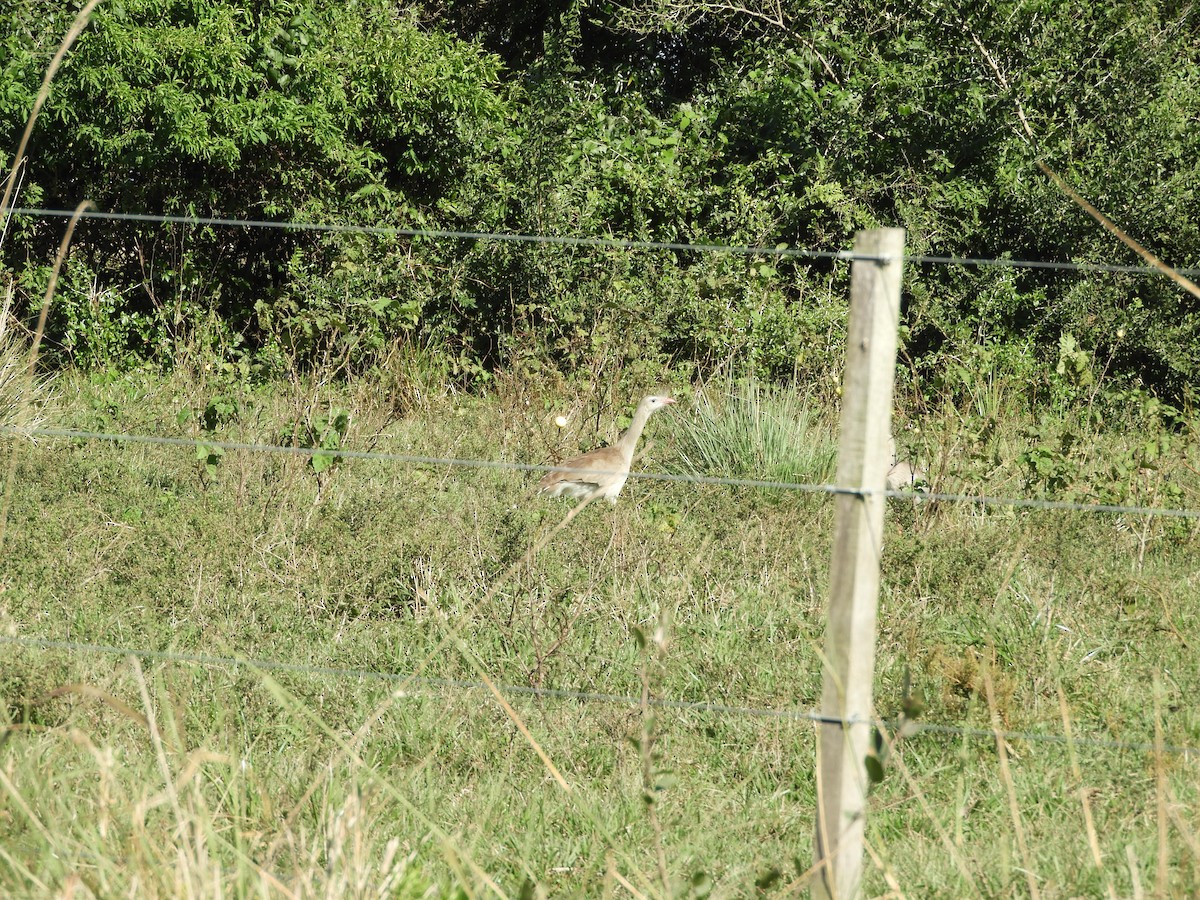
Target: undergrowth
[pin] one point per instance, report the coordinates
(323, 770)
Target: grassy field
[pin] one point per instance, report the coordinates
(174, 773)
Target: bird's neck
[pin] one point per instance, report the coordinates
(628, 441)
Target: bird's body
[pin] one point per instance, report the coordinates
(603, 472)
(902, 474)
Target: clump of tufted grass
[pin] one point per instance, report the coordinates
(745, 429)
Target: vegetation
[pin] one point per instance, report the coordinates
(178, 771)
(752, 126)
(267, 673)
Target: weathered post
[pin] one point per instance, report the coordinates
(849, 664)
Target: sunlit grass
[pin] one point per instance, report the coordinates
(24, 396)
(742, 428)
(323, 782)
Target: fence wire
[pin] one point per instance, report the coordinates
(445, 684)
(910, 728)
(781, 251)
(983, 500)
(442, 234)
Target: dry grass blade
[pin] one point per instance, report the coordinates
(349, 752)
(85, 690)
(1111, 227)
(1088, 819)
(1010, 785)
(473, 661)
(23, 399)
(1135, 875)
(76, 29)
(59, 259)
(883, 866)
(646, 751)
(380, 710)
(161, 755)
(38, 825)
(624, 882)
(805, 878)
(1184, 829)
(23, 870)
(896, 760)
(1162, 879)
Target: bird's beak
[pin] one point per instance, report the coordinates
(669, 401)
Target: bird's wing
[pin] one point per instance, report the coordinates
(593, 467)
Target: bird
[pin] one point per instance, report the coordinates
(901, 473)
(602, 472)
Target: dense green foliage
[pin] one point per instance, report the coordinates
(794, 124)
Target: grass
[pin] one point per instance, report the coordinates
(749, 430)
(169, 776)
(24, 399)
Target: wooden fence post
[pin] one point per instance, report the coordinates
(849, 661)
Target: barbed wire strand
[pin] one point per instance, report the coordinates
(782, 251)
(801, 487)
(1002, 262)
(912, 728)
(437, 233)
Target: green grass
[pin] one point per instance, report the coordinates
(749, 430)
(162, 777)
